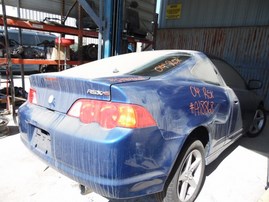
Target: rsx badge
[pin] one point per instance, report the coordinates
(98, 92)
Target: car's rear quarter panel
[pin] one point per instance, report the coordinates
(178, 106)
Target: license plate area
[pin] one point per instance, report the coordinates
(42, 141)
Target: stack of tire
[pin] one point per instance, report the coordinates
(90, 52)
(4, 130)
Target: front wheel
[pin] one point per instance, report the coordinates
(189, 177)
(258, 123)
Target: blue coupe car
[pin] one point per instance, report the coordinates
(140, 123)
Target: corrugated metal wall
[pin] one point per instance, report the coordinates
(235, 30)
(247, 48)
(217, 13)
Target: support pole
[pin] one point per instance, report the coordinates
(117, 27)
(104, 25)
(155, 31)
(100, 33)
(98, 21)
(63, 12)
(20, 42)
(9, 62)
(267, 182)
(80, 34)
(107, 34)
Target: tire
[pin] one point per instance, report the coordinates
(258, 123)
(4, 130)
(189, 177)
(42, 68)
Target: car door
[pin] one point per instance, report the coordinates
(234, 84)
(235, 122)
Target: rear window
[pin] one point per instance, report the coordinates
(161, 66)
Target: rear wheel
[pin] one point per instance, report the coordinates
(189, 177)
(258, 123)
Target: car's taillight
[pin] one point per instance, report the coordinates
(111, 115)
(32, 98)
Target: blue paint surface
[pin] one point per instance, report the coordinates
(125, 162)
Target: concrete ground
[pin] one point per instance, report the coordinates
(238, 175)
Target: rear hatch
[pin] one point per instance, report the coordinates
(58, 92)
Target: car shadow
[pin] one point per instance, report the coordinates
(149, 198)
(9, 131)
(258, 144)
(13, 130)
(214, 165)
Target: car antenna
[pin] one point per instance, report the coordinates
(116, 70)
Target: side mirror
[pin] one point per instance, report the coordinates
(254, 84)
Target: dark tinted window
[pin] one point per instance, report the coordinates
(231, 77)
(161, 66)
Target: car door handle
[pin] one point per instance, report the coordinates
(236, 102)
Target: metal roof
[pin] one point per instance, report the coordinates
(146, 9)
(47, 6)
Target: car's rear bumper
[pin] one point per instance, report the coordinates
(116, 163)
(140, 185)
